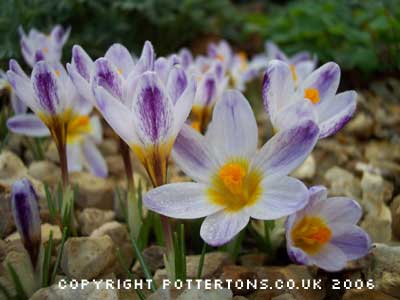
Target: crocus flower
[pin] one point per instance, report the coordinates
(314, 99)
(234, 181)
(324, 233)
(25, 210)
(83, 133)
(301, 64)
(37, 46)
(143, 107)
(17, 105)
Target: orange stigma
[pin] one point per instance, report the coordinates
(232, 175)
(312, 95)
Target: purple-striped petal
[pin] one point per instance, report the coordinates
(121, 58)
(294, 114)
(186, 57)
(19, 107)
(193, 155)
(221, 227)
(82, 86)
(47, 88)
(279, 197)
(23, 89)
(297, 255)
(177, 83)
(27, 124)
(82, 62)
(93, 159)
(325, 79)
(351, 239)
(340, 210)
(185, 200)
(16, 68)
(286, 150)
(184, 105)
(25, 209)
(300, 57)
(162, 67)
(106, 76)
(233, 130)
(305, 68)
(146, 60)
(74, 157)
(335, 113)
(117, 115)
(277, 89)
(274, 52)
(207, 91)
(60, 35)
(154, 116)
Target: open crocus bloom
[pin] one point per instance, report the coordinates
(59, 111)
(37, 46)
(314, 99)
(17, 105)
(301, 64)
(144, 110)
(324, 233)
(233, 181)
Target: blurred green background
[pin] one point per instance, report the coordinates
(363, 36)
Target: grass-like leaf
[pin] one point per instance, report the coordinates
(201, 261)
(47, 261)
(21, 295)
(59, 254)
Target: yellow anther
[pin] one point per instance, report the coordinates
(312, 95)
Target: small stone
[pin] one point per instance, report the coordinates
(45, 229)
(206, 294)
(44, 171)
(361, 125)
(154, 258)
(378, 224)
(306, 170)
(375, 190)
(93, 191)
(6, 221)
(92, 291)
(108, 147)
(342, 183)
(395, 209)
(253, 259)
(239, 298)
(87, 257)
(213, 263)
(11, 168)
(92, 218)
(366, 294)
(284, 297)
(382, 151)
(238, 273)
(159, 276)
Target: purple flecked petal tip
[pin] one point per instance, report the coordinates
(177, 83)
(106, 76)
(25, 209)
(82, 62)
(119, 55)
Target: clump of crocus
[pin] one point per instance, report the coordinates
(37, 46)
(301, 64)
(234, 182)
(17, 105)
(315, 98)
(25, 210)
(53, 98)
(325, 234)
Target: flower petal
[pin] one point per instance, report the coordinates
(274, 52)
(281, 196)
(154, 119)
(330, 258)
(352, 240)
(93, 159)
(117, 115)
(221, 227)
(16, 68)
(186, 57)
(82, 62)
(146, 60)
(335, 113)
(192, 154)
(121, 58)
(106, 76)
(340, 210)
(277, 89)
(233, 127)
(177, 83)
(325, 79)
(207, 92)
(27, 124)
(97, 129)
(184, 105)
(74, 157)
(185, 200)
(24, 90)
(19, 107)
(297, 255)
(294, 114)
(305, 68)
(60, 35)
(48, 88)
(286, 150)
(82, 86)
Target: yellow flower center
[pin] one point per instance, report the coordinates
(310, 234)
(78, 127)
(235, 186)
(45, 49)
(312, 95)
(293, 70)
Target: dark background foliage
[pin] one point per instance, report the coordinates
(362, 35)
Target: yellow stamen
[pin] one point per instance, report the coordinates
(234, 186)
(119, 70)
(58, 73)
(220, 57)
(45, 49)
(312, 95)
(196, 125)
(293, 70)
(310, 234)
(78, 128)
(243, 60)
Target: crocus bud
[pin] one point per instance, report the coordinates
(25, 210)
